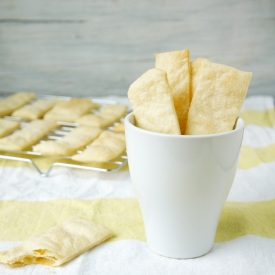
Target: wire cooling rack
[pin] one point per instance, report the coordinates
(31, 157)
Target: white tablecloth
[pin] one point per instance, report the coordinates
(245, 240)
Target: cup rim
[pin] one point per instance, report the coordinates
(239, 127)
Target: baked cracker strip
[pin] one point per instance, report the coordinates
(119, 128)
(196, 65)
(15, 101)
(106, 147)
(76, 139)
(152, 101)
(96, 120)
(71, 110)
(57, 245)
(35, 110)
(7, 126)
(27, 136)
(107, 116)
(117, 110)
(177, 66)
(217, 98)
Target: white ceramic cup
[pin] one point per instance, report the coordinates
(182, 183)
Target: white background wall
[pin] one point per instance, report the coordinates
(99, 47)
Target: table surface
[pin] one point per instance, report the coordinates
(93, 48)
(245, 238)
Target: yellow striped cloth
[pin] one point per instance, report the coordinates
(245, 239)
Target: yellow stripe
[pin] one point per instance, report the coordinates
(251, 157)
(246, 218)
(261, 118)
(21, 219)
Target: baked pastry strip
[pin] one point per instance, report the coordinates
(106, 147)
(218, 95)
(15, 101)
(71, 110)
(107, 116)
(119, 128)
(117, 110)
(152, 101)
(77, 138)
(7, 126)
(27, 136)
(35, 110)
(177, 66)
(57, 245)
(97, 120)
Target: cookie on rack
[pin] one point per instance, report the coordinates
(14, 101)
(7, 126)
(107, 116)
(117, 110)
(74, 140)
(119, 127)
(97, 120)
(71, 110)
(36, 109)
(106, 147)
(23, 138)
